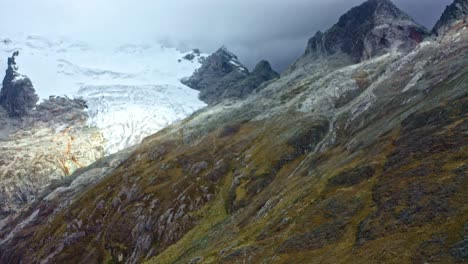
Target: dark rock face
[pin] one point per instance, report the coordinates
(55, 141)
(17, 96)
(262, 73)
(366, 31)
(222, 76)
(456, 12)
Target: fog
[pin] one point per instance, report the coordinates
(276, 30)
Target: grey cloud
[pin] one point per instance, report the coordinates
(276, 30)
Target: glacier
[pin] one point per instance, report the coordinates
(132, 90)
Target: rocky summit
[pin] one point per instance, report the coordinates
(454, 16)
(359, 158)
(223, 76)
(371, 29)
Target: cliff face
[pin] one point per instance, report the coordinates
(361, 163)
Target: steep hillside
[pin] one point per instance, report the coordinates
(334, 162)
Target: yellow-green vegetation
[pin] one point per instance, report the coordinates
(309, 203)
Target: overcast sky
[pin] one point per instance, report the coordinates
(276, 30)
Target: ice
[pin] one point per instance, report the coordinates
(127, 114)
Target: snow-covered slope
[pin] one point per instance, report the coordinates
(127, 114)
(132, 90)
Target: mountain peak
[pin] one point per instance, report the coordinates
(374, 9)
(368, 30)
(223, 76)
(455, 13)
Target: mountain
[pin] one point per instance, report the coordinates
(334, 162)
(223, 76)
(371, 29)
(141, 81)
(453, 16)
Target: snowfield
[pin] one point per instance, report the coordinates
(132, 90)
(127, 114)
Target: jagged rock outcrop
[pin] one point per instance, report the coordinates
(223, 76)
(455, 15)
(371, 29)
(17, 95)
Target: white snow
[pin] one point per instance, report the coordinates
(127, 114)
(133, 90)
(59, 66)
